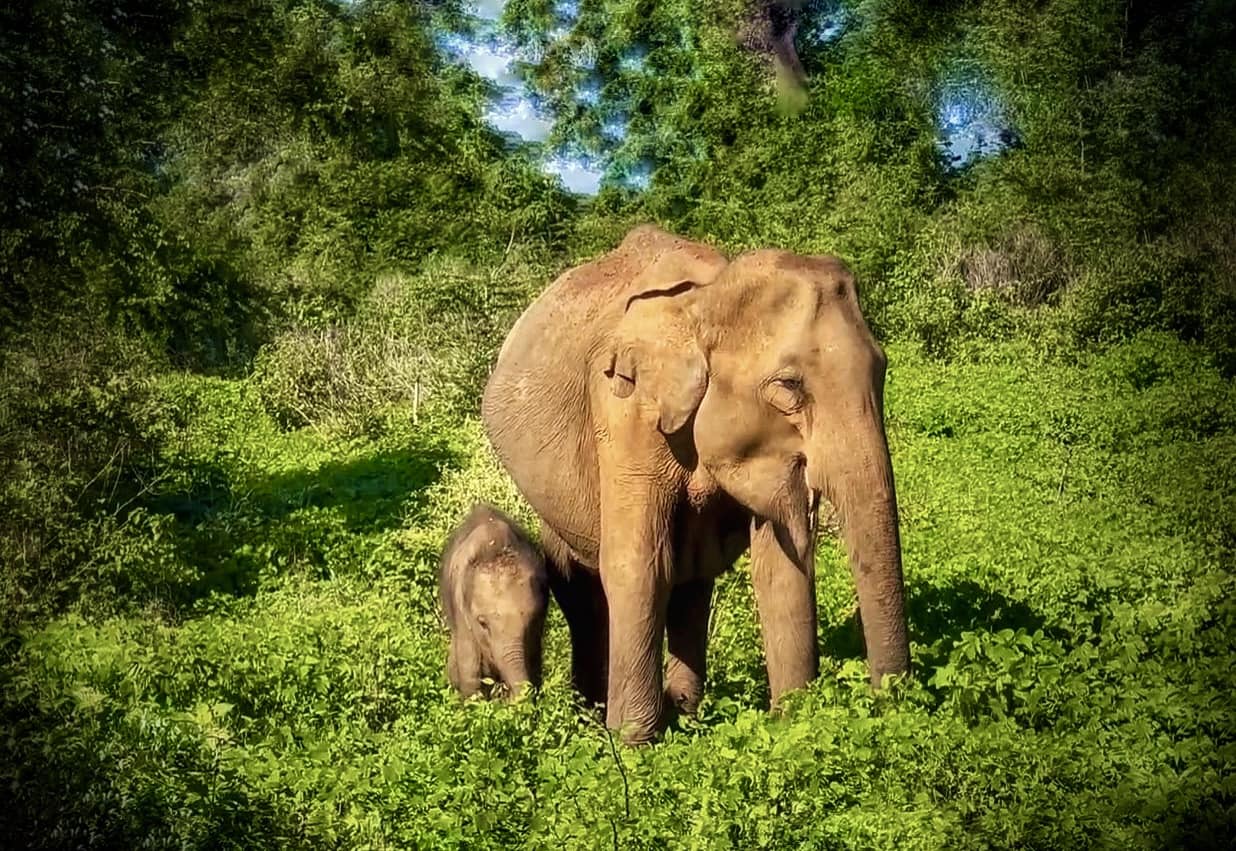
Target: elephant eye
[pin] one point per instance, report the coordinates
(785, 393)
(483, 622)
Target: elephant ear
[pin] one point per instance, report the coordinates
(655, 349)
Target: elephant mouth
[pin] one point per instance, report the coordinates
(813, 512)
(811, 521)
(813, 492)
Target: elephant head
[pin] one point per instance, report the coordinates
(768, 375)
(509, 606)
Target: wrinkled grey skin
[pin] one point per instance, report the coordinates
(494, 598)
(663, 409)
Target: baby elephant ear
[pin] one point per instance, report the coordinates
(655, 349)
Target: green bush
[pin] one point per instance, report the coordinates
(81, 435)
(425, 340)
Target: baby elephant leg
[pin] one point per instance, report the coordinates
(463, 666)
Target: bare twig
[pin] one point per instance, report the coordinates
(119, 469)
(105, 468)
(123, 190)
(509, 244)
(506, 253)
(626, 789)
(1064, 471)
(309, 421)
(146, 488)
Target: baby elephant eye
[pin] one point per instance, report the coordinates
(483, 622)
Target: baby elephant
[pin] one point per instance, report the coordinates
(494, 597)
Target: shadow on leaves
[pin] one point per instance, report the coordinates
(316, 521)
(938, 615)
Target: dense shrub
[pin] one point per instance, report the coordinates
(81, 432)
(424, 339)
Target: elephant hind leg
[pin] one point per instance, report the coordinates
(579, 594)
(582, 600)
(687, 633)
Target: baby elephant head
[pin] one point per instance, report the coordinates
(508, 603)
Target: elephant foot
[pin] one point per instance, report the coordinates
(639, 721)
(636, 733)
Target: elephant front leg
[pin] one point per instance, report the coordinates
(463, 666)
(687, 632)
(636, 562)
(640, 486)
(783, 573)
(637, 598)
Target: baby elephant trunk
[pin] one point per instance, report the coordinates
(519, 663)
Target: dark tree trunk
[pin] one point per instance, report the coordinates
(768, 30)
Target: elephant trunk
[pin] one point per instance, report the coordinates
(857, 478)
(518, 667)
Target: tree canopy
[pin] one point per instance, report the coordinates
(199, 174)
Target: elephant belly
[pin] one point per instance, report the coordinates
(543, 452)
(583, 547)
(536, 417)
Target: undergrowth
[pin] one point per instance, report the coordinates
(271, 672)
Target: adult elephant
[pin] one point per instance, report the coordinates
(663, 409)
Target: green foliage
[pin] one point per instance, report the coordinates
(81, 432)
(295, 152)
(75, 140)
(291, 153)
(1108, 206)
(427, 339)
(327, 146)
(1066, 531)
